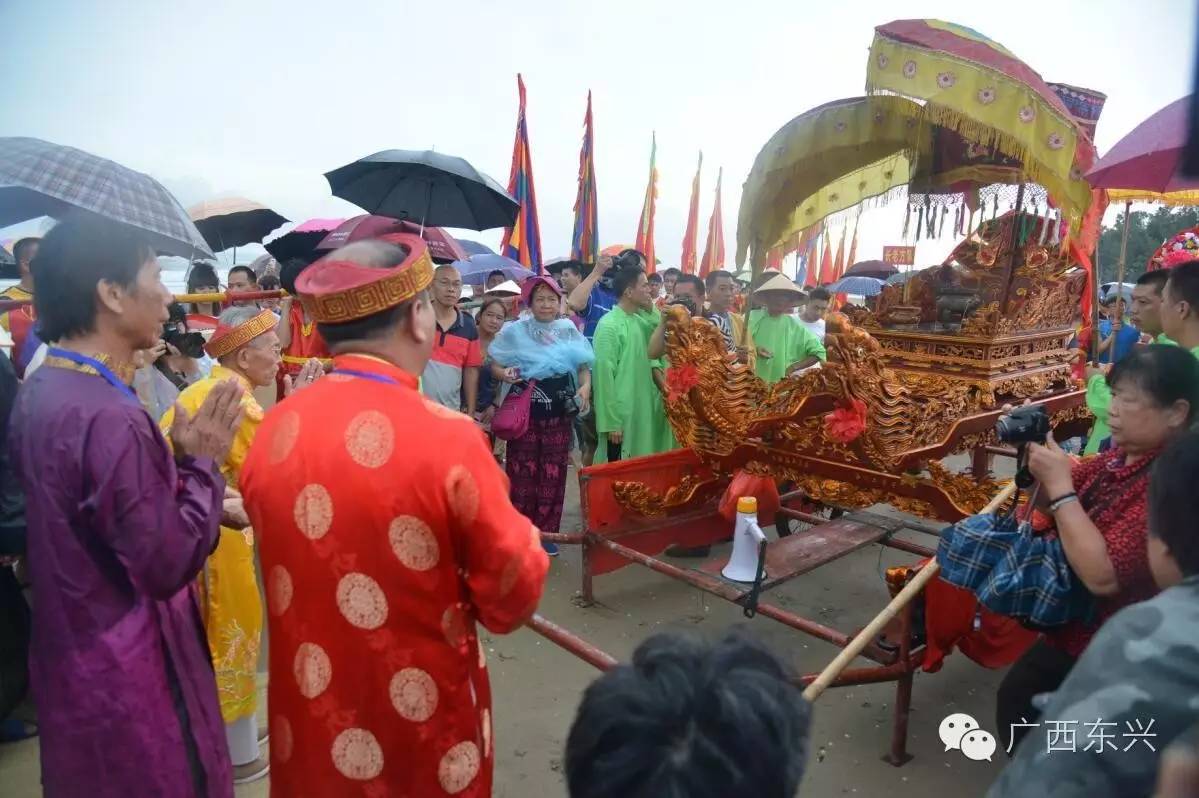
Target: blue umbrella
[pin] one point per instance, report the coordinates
(474, 248)
(900, 278)
(858, 286)
(475, 269)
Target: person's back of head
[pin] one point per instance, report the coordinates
(689, 719)
(289, 271)
(1173, 508)
(402, 332)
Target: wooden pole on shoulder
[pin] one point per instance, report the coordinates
(872, 630)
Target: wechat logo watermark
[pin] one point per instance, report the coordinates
(961, 732)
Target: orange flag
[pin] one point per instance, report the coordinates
(810, 245)
(645, 227)
(839, 262)
(851, 259)
(714, 248)
(687, 263)
(826, 262)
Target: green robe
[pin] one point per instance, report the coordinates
(788, 341)
(1099, 401)
(626, 398)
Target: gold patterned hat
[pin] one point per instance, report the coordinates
(337, 291)
(226, 339)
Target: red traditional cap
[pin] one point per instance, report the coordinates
(338, 291)
(226, 339)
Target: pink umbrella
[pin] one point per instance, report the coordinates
(443, 247)
(1145, 162)
(1144, 166)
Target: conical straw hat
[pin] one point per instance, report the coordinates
(780, 282)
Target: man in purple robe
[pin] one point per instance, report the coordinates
(118, 529)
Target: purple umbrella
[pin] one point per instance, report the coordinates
(475, 270)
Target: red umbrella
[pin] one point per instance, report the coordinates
(1145, 162)
(443, 247)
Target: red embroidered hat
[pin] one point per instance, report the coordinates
(338, 291)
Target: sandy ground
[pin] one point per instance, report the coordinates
(537, 685)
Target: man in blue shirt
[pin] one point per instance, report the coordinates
(1113, 348)
(589, 298)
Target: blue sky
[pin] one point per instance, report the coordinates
(261, 98)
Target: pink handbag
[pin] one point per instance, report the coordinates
(511, 421)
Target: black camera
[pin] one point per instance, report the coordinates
(189, 344)
(1027, 424)
(627, 259)
(686, 302)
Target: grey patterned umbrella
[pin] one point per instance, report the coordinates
(38, 178)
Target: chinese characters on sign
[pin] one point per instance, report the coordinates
(899, 256)
(1099, 736)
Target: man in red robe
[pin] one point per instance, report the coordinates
(385, 534)
(297, 332)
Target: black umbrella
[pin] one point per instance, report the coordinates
(301, 240)
(877, 269)
(38, 178)
(427, 188)
(234, 221)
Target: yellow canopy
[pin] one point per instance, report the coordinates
(978, 89)
(859, 144)
(1189, 197)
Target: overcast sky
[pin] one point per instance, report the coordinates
(259, 99)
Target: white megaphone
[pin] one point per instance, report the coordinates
(747, 539)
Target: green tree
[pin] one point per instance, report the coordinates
(1145, 234)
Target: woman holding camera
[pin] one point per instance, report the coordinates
(548, 356)
(1098, 506)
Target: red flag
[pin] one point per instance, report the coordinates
(687, 263)
(826, 262)
(774, 258)
(645, 227)
(522, 241)
(714, 248)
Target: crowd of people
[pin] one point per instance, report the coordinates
(143, 484)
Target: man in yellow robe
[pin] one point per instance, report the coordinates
(246, 349)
